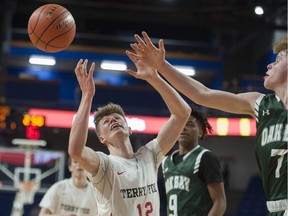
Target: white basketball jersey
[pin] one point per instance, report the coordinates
(128, 187)
(64, 198)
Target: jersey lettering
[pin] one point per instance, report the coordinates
(173, 208)
(285, 136)
(177, 182)
(74, 209)
(273, 134)
(148, 209)
(280, 153)
(138, 192)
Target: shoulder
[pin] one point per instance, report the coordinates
(208, 155)
(60, 183)
(169, 157)
(152, 146)
(151, 150)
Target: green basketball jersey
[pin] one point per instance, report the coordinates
(186, 193)
(271, 145)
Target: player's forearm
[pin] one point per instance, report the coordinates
(190, 87)
(172, 99)
(79, 129)
(218, 208)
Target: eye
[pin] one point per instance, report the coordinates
(190, 125)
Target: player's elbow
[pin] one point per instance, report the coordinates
(186, 112)
(73, 151)
(222, 205)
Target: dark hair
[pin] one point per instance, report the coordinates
(203, 122)
(106, 110)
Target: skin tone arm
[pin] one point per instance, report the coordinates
(84, 155)
(179, 109)
(217, 194)
(155, 57)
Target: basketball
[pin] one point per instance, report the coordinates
(51, 28)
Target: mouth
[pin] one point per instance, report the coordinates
(183, 134)
(115, 126)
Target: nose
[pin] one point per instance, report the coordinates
(185, 128)
(269, 66)
(112, 119)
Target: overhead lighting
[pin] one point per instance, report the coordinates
(187, 70)
(113, 65)
(42, 60)
(259, 10)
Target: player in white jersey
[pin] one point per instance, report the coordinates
(125, 181)
(73, 196)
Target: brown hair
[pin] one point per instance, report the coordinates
(106, 110)
(280, 45)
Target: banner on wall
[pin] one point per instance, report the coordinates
(150, 124)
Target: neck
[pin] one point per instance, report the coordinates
(123, 150)
(283, 95)
(185, 149)
(80, 182)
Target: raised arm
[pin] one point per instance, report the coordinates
(194, 90)
(77, 148)
(178, 108)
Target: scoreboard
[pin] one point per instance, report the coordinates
(21, 124)
(33, 124)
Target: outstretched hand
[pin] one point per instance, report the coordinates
(85, 80)
(143, 72)
(146, 52)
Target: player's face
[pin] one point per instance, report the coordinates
(191, 133)
(276, 76)
(76, 169)
(113, 124)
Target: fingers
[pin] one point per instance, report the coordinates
(161, 45)
(78, 66)
(147, 38)
(84, 67)
(91, 70)
(136, 48)
(133, 57)
(131, 72)
(81, 68)
(141, 43)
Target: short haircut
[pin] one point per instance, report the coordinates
(281, 45)
(202, 121)
(106, 110)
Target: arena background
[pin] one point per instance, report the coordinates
(228, 45)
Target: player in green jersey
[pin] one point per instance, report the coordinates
(193, 177)
(270, 112)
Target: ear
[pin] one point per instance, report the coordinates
(102, 139)
(130, 131)
(200, 133)
(70, 168)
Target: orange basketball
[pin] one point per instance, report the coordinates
(51, 28)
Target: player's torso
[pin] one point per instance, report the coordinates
(271, 147)
(76, 201)
(186, 192)
(135, 187)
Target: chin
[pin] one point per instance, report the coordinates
(266, 85)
